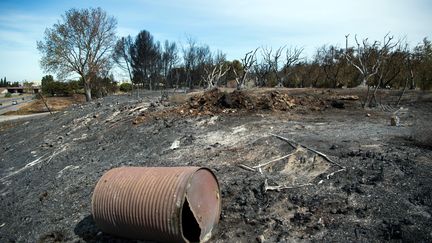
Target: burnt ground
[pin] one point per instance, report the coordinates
(50, 165)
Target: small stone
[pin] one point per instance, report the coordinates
(394, 121)
(175, 145)
(261, 239)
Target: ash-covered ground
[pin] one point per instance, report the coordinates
(377, 187)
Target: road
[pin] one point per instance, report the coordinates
(8, 106)
(17, 117)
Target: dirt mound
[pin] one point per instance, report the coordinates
(216, 100)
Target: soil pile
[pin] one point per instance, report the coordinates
(215, 101)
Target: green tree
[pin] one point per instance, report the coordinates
(80, 43)
(46, 83)
(145, 56)
(28, 86)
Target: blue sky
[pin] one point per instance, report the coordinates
(233, 26)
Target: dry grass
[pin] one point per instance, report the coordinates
(54, 103)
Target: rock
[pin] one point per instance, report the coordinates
(175, 145)
(394, 120)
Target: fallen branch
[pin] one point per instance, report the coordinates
(278, 188)
(246, 167)
(324, 156)
(45, 103)
(333, 173)
(271, 161)
(290, 142)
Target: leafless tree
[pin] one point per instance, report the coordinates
(331, 60)
(293, 56)
(212, 76)
(81, 43)
(189, 59)
(261, 71)
(247, 63)
(122, 54)
(170, 58)
(367, 59)
(271, 61)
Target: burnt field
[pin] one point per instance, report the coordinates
(376, 184)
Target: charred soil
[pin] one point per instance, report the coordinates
(379, 190)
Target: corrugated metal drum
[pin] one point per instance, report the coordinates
(168, 204)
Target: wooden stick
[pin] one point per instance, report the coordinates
(246, 167)
(46, 105)
(324, 156)
(271, 161)
(290, 142)
(333, 173)
(278, 188)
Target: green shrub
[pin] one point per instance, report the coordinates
(125, 87)
(8, 95)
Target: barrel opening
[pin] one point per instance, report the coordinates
(190, 226)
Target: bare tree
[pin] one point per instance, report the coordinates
(247, 63)
(204, 60)
(367, 59)
(170, 58)
(261, 71)
(189, 59)
(81, 43)
(271, 62)
(212, 76)
(292, 58)
(331, 60)
(122, 54)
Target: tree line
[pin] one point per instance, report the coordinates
(5, 83)
(85, 43)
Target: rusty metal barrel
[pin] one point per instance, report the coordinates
(165, 204)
